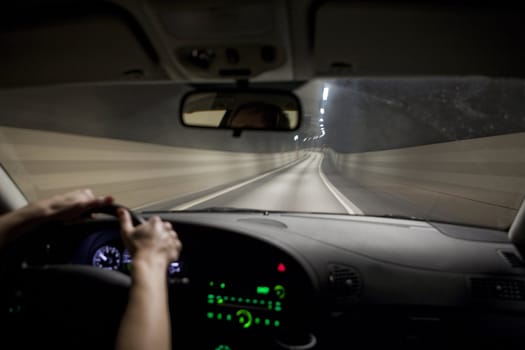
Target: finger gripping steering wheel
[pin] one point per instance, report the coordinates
(111, 209)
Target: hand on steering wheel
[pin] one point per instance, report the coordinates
(153, 239)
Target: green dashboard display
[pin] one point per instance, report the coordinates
(258, 307)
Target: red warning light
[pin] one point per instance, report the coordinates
(281, 267)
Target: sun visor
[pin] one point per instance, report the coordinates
(58, 42)
(411, 38)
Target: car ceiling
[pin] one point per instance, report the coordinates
(198, 41)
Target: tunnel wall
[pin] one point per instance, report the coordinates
(46, 163)
(486, 173)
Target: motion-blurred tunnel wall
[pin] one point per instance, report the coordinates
(46, 163)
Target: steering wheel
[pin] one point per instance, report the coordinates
(71, 306)
(111, 209)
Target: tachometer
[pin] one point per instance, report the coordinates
(107, 257)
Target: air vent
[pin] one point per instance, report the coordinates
(513, 259)
(502, 289)
(344, 282)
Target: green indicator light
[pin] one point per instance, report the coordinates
(264, 290)
(278, 308)
(211, 296)
(210, 315)
(220, 301)
(255, 301)
(280, 291)
(228, 317)
(247, 301)
(210, 301)
(277, 303)
(223, 347)
(223, 285)
(219, 317)
(269, 307)
(226, 298)
(267, 322)
(245, 318)
(263, 302)
(257, 320)
(276, 323)
(240, 300)
(234, 299)
(212, 284)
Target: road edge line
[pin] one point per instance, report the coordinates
(349, 206)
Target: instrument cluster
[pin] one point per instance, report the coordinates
(104, 249)
(111, 257)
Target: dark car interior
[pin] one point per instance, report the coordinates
(267, 279)
(321, 280)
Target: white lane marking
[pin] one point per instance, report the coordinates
(232, 188)
(350, 207)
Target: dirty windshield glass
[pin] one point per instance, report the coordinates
(434, 148)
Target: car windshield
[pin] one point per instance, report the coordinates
(444, 149)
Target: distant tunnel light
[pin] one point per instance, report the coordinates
(322, 110)
(296, 137)
(321, 120)
(325, 93)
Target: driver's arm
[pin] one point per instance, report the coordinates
(65, 207)
(153, 245)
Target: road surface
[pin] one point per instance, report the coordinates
(301, 187)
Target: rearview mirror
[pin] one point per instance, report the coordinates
(242, 110)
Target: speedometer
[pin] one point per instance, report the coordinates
(107, 257)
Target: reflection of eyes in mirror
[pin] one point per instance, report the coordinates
(257, 115)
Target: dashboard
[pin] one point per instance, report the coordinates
(228, 284)
(300, 281)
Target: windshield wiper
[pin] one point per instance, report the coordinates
(227, 210)
(399, 216)
(267, 212)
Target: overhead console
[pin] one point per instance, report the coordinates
(207, 40)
